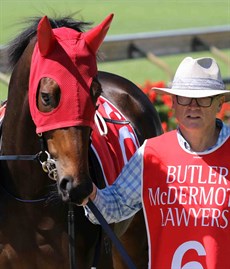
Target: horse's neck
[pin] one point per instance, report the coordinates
(19, 138)
(18, 130)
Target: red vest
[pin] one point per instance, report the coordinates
(186, 200)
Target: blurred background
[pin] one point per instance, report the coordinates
(131, 17)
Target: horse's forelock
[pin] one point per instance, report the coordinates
(17, 46)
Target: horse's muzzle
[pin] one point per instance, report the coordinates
(75, 191)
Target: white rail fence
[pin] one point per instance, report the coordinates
(155, 44)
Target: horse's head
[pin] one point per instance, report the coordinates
(63, 91)
(68, 146)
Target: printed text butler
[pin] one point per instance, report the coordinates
(193, 198)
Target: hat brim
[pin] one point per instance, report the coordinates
(193, 93)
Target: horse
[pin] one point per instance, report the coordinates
(34, 207)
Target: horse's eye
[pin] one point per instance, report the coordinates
(46, 100)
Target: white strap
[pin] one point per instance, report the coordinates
(100, 123)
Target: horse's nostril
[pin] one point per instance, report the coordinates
(75, 191)
(66, 184)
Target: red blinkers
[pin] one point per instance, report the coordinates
(68, 57)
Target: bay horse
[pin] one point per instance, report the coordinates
(33, 218)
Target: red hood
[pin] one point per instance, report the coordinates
(69, 58)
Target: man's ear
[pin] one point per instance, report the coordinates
(222, 100)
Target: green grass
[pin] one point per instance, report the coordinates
(131, 16)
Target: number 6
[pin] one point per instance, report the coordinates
(177, 258)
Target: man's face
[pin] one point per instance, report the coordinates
(195, 117)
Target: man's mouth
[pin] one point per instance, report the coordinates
(193, 117)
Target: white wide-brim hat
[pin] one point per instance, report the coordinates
(196, 78)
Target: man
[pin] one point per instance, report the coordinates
(181, 178)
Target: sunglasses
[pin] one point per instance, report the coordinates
(202, 102)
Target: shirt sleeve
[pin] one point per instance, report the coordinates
(122, 199)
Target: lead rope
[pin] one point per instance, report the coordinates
(103, 130)
(112, 235)
(71, 233)
(49, 167)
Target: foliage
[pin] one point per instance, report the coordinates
(224, 114)
(163, 104)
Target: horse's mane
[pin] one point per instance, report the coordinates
(16, 47)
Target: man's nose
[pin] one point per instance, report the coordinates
(194, 103)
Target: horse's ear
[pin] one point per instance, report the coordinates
(96, 35)
(45, 36)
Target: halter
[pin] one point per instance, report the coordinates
(45, 57)
(44, 157)
(48, 166)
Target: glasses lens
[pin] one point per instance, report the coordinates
(184, 101)
(203, 102)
